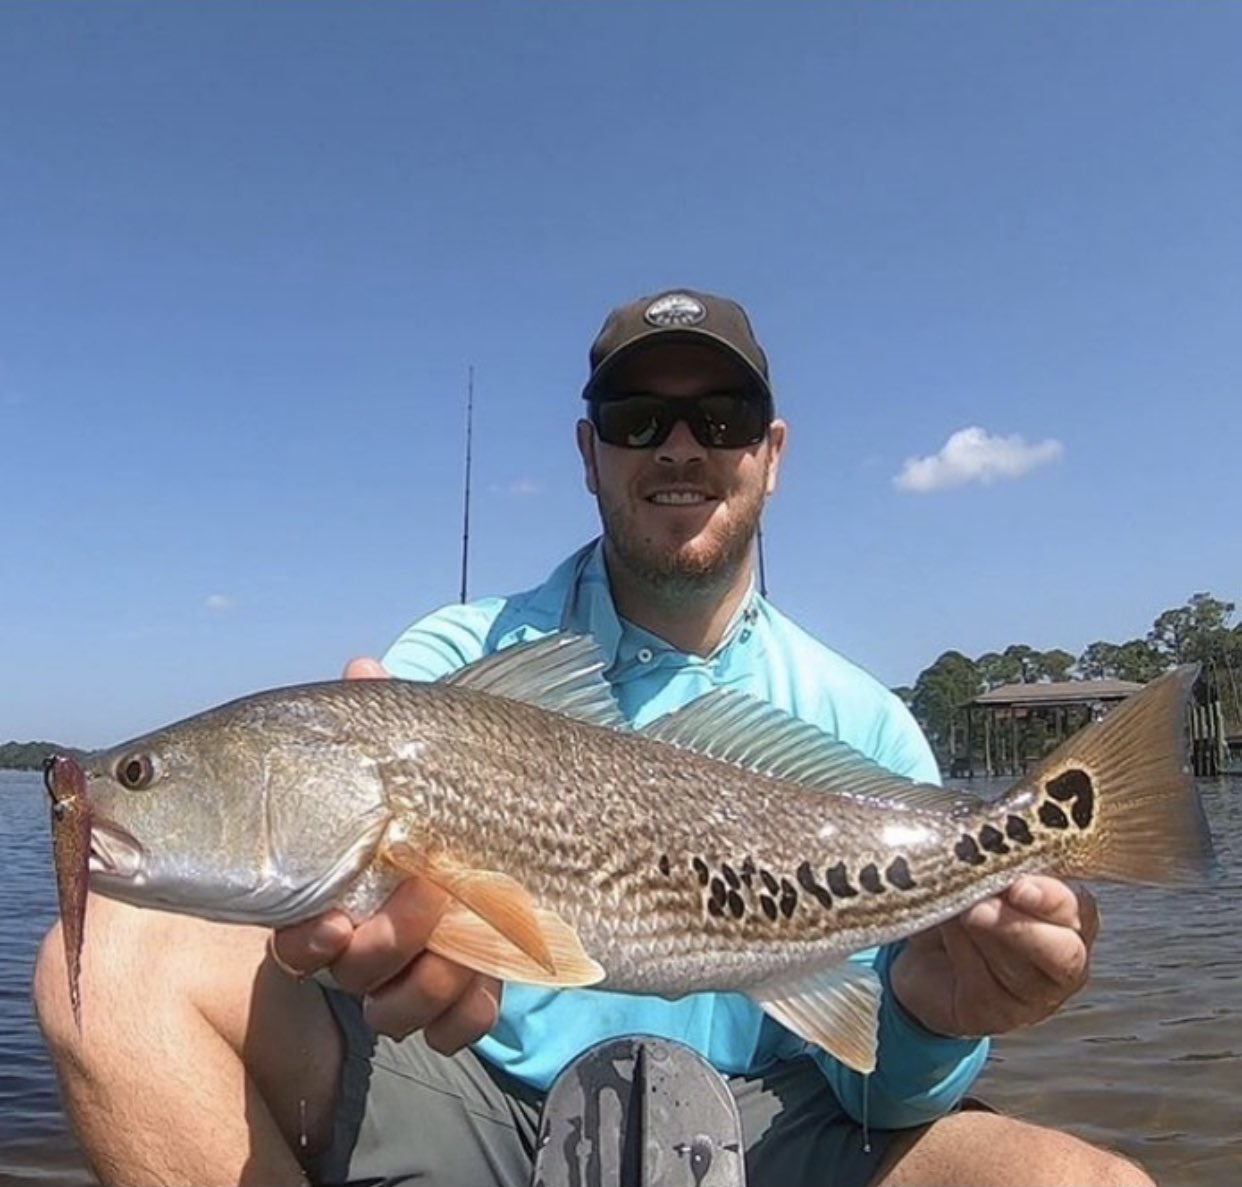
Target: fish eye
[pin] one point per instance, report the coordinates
(135, 772)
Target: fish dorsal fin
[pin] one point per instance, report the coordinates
(738, 728)
(561, 672)
(493, 926)
(837, 1009)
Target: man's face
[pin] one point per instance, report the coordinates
(680, 512)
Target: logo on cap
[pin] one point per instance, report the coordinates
(675, 309)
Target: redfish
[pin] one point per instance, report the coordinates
(726, 847)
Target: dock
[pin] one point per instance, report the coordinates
(1007, 730)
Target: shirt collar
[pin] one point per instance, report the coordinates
(589, 609)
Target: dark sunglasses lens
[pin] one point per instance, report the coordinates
(632, 422)
(722, 420)
(728, 421)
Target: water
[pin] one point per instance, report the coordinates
(35, 1144)
(1148, 1060)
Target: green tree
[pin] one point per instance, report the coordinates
(1026, 660)
(1099, 661)
(940, 691)
(1194, 633)
(994, 670)
(1055, 664)
(1139, 661)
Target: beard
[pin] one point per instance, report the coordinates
(708, 558)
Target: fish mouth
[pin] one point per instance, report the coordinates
(114, 852)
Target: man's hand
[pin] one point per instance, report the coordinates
(1007, 962)
(384, 959)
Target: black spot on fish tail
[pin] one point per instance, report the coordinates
(1016, 829)
(869, 879)
(806, 879)
(730, 875)
(748, 871)
(719, 893)
(770, 884)
(715, 908)
(1083, 810)
(838, 879)
(992, 839)
(665, 868)
(1075, 788)
(768, 903)
(1052, 816)
(737, 907)
(700, 869)
(898, 874)
(967, 850)
(789, 898)
(1068, 785)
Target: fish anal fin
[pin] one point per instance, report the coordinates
(464, 937)
(838, 1010)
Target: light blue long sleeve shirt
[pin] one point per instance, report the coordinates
(919, 1076)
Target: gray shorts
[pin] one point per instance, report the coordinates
(407, 1114)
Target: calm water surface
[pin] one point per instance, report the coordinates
(1148, 1060)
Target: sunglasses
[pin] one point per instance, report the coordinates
(718, 420)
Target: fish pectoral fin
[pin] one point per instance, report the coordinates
(502, 903)
(838, 1010)
(464, 937)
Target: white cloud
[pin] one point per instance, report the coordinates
(973, 455)
(519, 488)
(219, 602)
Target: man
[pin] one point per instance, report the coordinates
(203, 1060)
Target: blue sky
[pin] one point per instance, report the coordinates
(249, 251)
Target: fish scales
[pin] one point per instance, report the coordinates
(601, 811)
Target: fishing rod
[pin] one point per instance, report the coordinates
(465, 510)
(763, 573)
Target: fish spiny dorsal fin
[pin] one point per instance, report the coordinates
(737, 728)
(1122, 789)
(838, 1009)
(562, 673)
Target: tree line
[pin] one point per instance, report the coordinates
(30, 756)
(1198, 632)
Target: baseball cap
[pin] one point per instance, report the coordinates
(676, 315)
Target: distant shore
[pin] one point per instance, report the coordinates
(30, 756)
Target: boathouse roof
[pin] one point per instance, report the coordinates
(1065, 692)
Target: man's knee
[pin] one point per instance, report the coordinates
(988, 1148)
(170, 987)
(136, 966)
(115, 933)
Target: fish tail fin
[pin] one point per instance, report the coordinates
(1121, 794)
